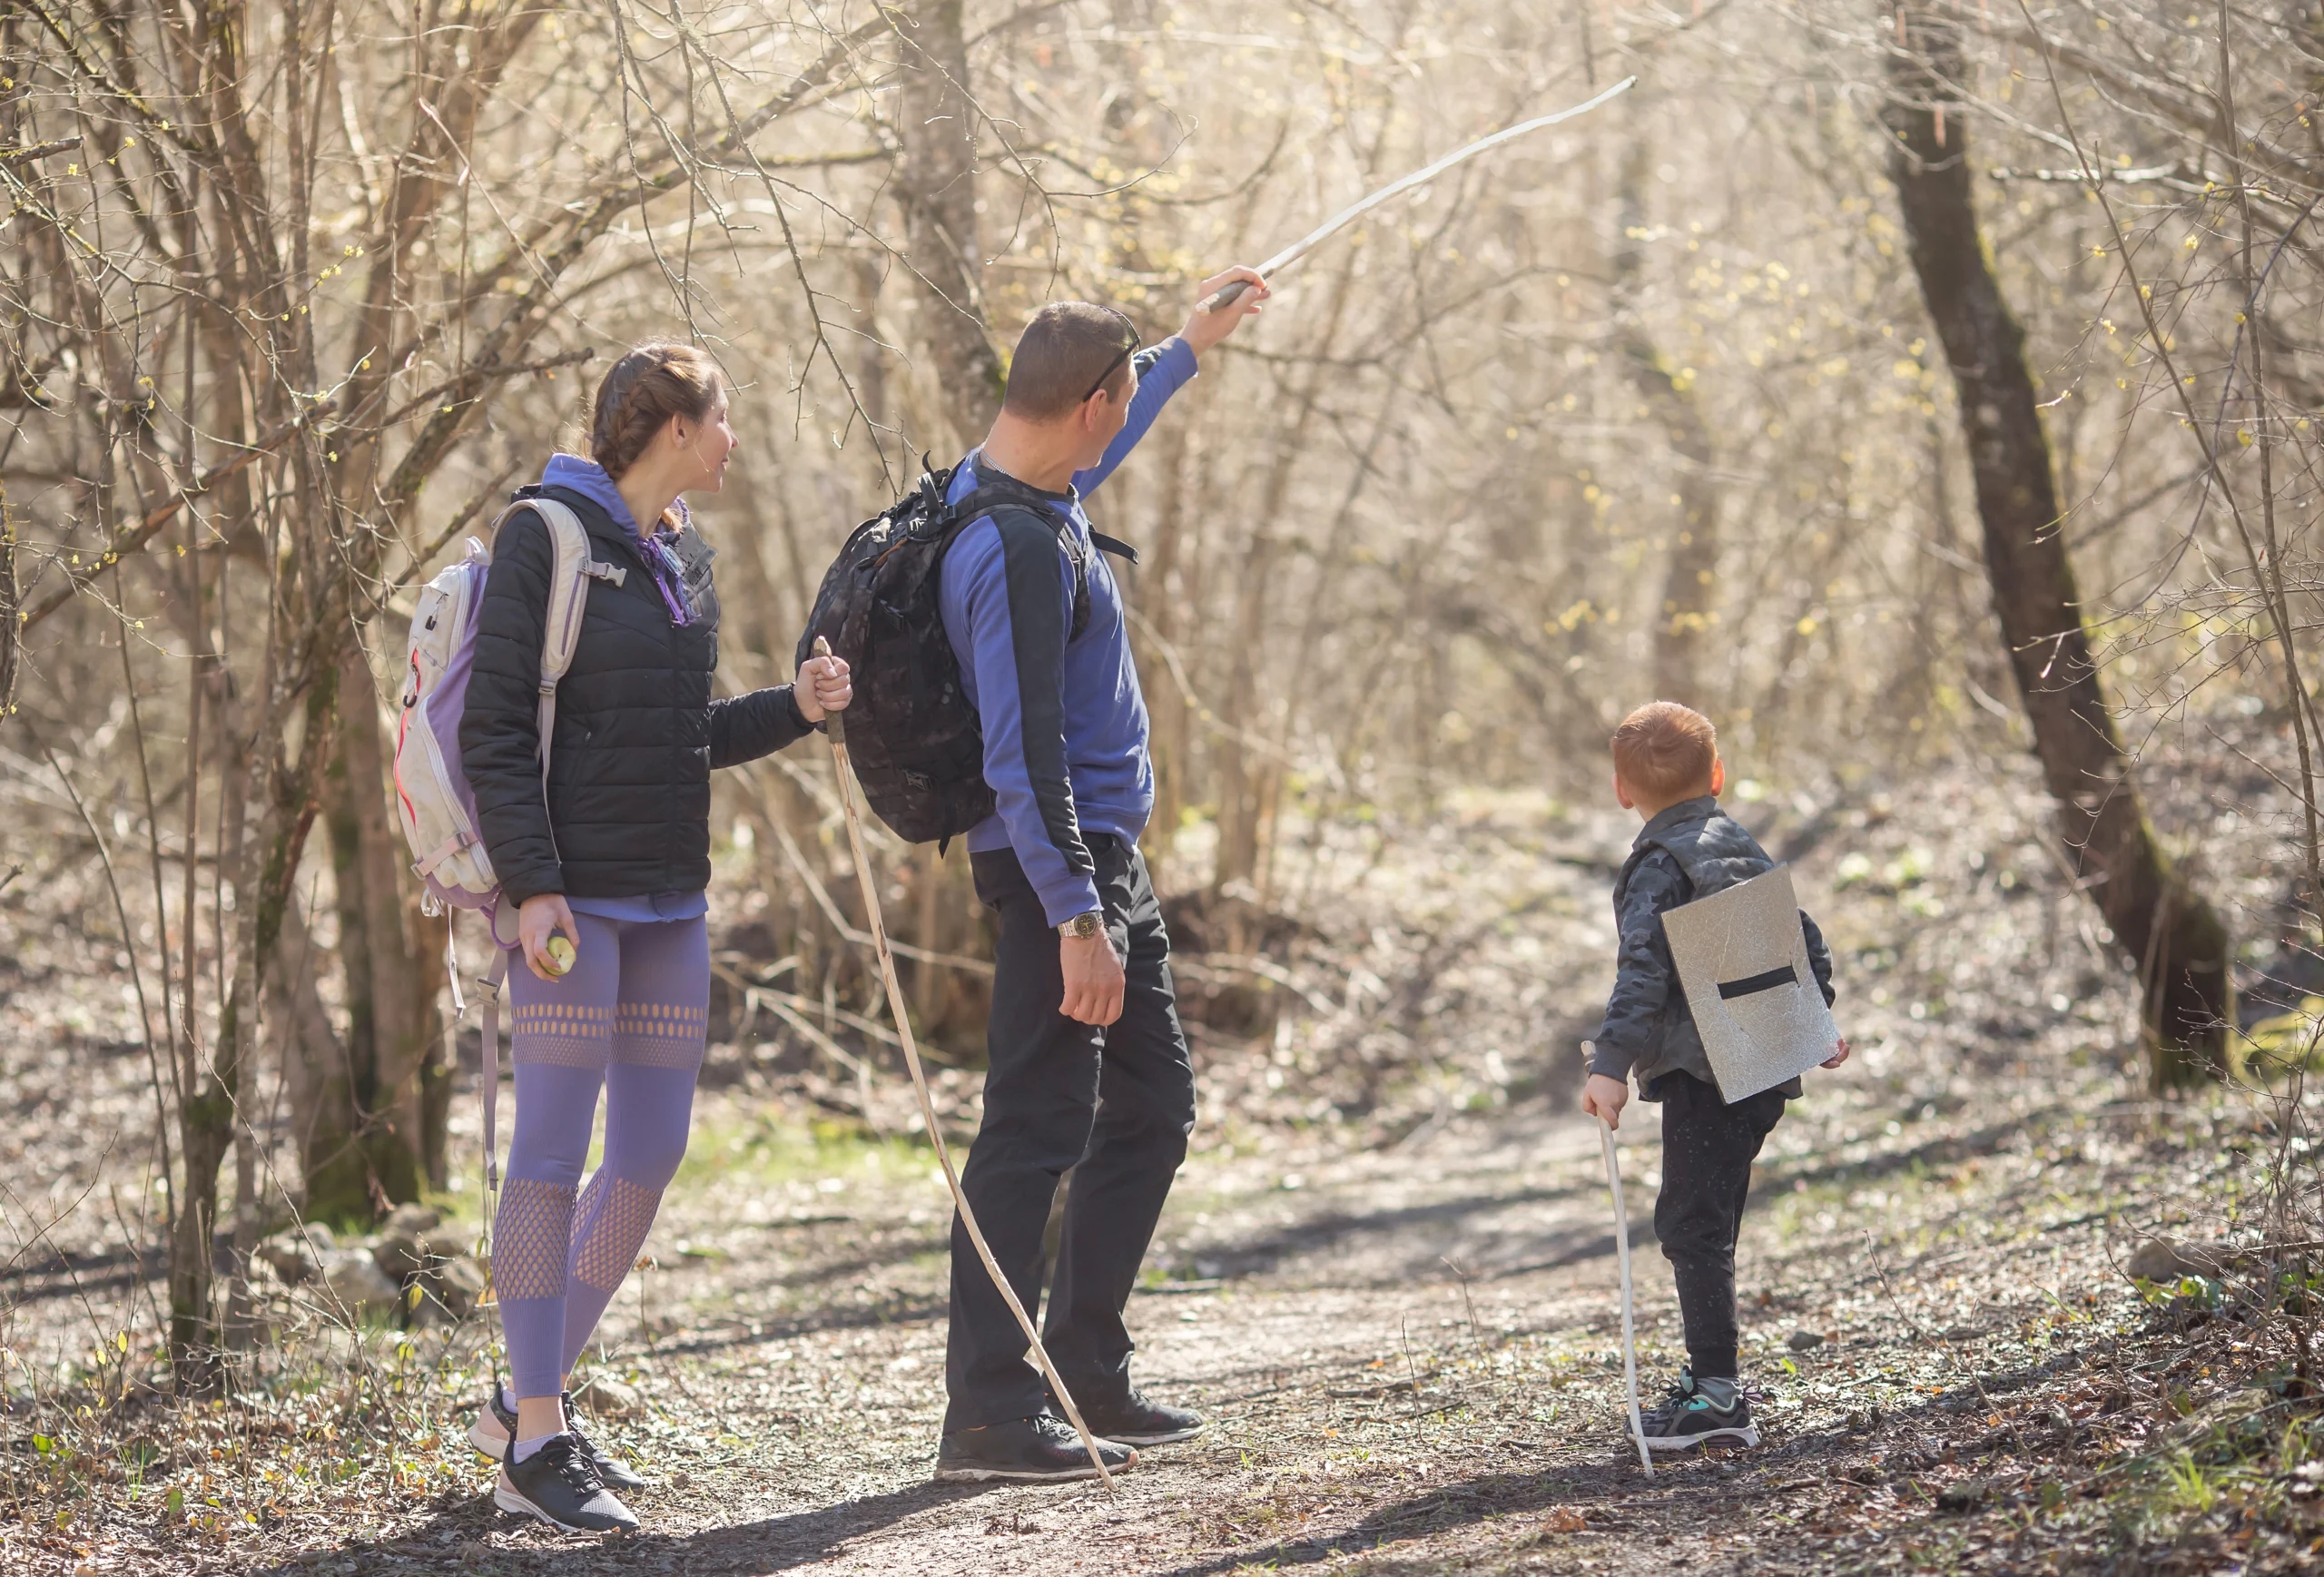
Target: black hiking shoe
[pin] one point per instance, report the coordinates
(1705, 1412)
(1136, 1419)
(617, 1473)
(1043, 1446)
(560, 1486)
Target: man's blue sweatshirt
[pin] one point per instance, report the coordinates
(1065, 727)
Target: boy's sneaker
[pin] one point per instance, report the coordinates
(1043, 1446)
(1706, 1411)
(1136, 1419)
(493, 1442)
(560, 1486)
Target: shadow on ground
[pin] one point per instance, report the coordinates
(453, 1540)
(1596, 1490)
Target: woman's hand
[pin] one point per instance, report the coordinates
(544, 915)
(824, 687)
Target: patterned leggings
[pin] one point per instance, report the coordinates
(630, 1017)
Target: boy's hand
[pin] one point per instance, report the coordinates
(1604, 1097)
(1839, 1056)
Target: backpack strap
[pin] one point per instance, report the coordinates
(568, 592)
(571, 569)
(991, 497)
(489, 1082)
(490, 1074)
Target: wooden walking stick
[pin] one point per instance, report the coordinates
(837, 732)
(1623, 1252)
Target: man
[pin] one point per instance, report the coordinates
(1089, 1068)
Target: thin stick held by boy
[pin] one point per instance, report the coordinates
(1667, 768)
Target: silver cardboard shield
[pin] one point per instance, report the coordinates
(1742, 956)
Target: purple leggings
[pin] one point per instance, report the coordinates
(630, 1017)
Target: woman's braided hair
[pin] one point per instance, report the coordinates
(642, 392)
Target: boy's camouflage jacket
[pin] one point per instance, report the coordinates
(1688, 851)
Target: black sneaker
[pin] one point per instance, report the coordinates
(1043, 1446)
(1136, 1419)
(1705, 1412)
(617, 1473)
(560, 1486)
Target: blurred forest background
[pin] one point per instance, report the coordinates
(1920, 389)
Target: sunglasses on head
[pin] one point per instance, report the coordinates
(1124, 354)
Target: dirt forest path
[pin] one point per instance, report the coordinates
(1386, 1275)
(1411, 1361)
(1332, 1335)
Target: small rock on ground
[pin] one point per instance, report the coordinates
(606, 1397)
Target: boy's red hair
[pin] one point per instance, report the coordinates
(1664, 749)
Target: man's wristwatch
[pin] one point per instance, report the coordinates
(1082, 927)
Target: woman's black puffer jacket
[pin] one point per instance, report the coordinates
(628, 814)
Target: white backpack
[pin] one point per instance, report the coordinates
(433, 800)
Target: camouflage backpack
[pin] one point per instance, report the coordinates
(911, 730)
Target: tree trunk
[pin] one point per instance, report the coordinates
(1246, 781)
(7, 608)
(872, 376)
(314, 1059)
(1668, 397)
(206, 1107)
(374, 1136)
(2167, 930)
(210, 1115)
(936, 184)
(264, 862)
(205, 1128)
(1157, 595)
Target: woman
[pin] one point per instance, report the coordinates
(612, 853)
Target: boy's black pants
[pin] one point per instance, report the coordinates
(1708, 1148)
(1114, 1104)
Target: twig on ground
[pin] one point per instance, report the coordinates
(1944, 1345)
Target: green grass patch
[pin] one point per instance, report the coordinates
(770, 1150)
(2257, 1467)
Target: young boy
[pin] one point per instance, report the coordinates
(1667, 768)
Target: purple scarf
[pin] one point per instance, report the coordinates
(588, 479)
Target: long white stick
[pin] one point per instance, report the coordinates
(837, 733)
(1227, 294)
(1623, 1253)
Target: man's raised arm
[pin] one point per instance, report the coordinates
(1163, 370)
